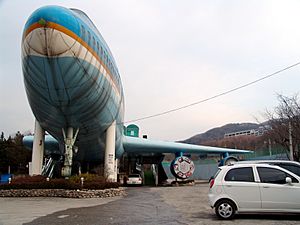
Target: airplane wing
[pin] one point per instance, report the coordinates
(51, 144)
(141, 145)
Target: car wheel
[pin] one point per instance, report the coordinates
(225, 209)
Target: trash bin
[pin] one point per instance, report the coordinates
(4, 178)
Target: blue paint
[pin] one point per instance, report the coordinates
(79, 23)
(56, 14)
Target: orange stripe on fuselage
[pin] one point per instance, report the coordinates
(31, 28)
(74, 36)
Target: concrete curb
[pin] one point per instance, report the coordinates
(112, 192)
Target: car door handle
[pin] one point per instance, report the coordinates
(228, 185)
(265, 186)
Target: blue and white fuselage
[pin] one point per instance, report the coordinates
(71, 79)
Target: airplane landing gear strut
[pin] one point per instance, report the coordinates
(69, 143)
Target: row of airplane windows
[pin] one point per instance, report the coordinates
(101, 52)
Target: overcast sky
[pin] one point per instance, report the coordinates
(173, 53)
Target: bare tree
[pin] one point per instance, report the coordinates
(287, 112)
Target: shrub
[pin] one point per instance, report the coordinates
(87, 178)
(28, 179)
(74, 183)
(99, 186)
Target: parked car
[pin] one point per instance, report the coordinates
(134, 179)
(292, 166)
(252, 188)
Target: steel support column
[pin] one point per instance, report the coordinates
(109, 156)
(37, 150)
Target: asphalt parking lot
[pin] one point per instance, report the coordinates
(192, 203)
(143, 205)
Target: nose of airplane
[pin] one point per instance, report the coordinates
(50, 31)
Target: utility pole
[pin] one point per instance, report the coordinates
(270, 147)
(291, 142)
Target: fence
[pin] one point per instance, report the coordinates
(205, 168)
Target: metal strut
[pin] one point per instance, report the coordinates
(69, 143)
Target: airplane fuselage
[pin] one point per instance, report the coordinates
(73, 86)
(71, 79)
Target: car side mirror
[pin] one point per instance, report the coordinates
(288, 180)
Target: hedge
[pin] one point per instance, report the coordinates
(40, 182)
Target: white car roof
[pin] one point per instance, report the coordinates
(250, 165)
(267, 161)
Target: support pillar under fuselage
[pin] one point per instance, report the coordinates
(37, 150)
(110, 171)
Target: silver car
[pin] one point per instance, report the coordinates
(134, 179)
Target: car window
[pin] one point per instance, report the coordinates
(244, 174)
(134, 176)
(293, 168)
(274, 176)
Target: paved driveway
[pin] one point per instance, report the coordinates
(193, 204)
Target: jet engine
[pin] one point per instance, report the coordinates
(182, 167)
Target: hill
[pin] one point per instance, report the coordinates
(218, 132)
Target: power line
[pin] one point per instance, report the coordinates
(215, 96)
